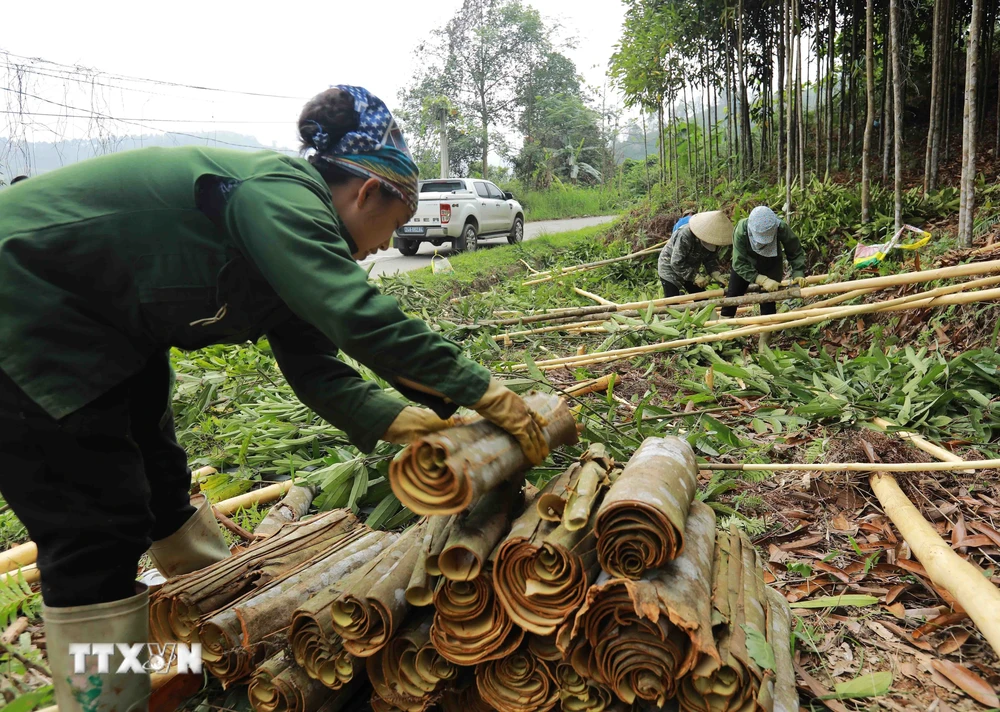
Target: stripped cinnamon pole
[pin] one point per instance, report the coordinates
(175, 609)
(445, 472)
(292, 507)
(640, 637)
(640, 523)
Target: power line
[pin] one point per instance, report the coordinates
(77, 69)
(92, 114)
(98, 115)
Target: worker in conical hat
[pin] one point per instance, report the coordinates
(693, 247)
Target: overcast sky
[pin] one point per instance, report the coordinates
(289, 49)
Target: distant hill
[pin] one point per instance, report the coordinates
(33, 158)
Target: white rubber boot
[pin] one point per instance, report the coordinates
(98, 687)
(198, 543)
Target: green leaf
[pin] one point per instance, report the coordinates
(758, 647)
(872, 684)
(383, 511)
(31, 700)
(978, 397)
(849, 599)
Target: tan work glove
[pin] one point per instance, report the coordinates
(412, 423)
(701, 282)
(799, 281)
(720, 278)
(767, 284)
(502, 407)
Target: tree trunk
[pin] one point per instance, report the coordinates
(841, 110)
(897, 106)
(866, 157)
(933, 127)
(887, 107)
(687, 135)
(967, 202)
(852, 125)
(745, 128)
(782, 138)
(790, 103)
(645, 151)
(949, 58)
(730, 138)
(829, 84)
(800, 119)
(661, 153)
(818, 110)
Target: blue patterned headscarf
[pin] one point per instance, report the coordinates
(373, 149)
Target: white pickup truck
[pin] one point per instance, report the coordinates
(461, 211)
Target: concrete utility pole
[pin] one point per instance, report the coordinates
(443, 117)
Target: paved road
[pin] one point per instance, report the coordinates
(391, 261)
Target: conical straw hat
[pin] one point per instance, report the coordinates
(712, 227)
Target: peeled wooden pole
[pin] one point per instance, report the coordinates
(556, 274)
(292, 507)
(601, 309)
(964, 581)
(18, 556)
(747, 331)
(855, 466)
(923, 444)
(596, 297)
(845, 297)
(964, 297)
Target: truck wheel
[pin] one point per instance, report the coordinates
(469, 240)
(516, 231)
(408, 247)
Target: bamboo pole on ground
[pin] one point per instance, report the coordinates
(965, 297)
(845, 297)
(596, 297)
(923, 444)
(963, 580)
(854, 466)
(594, 385)
(565, 271)
(893, 280)
(18, 556)
(619, 354)
(601, 309)
(292, 507)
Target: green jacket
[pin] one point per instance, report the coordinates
(682, 257)
(745, 259)
(105, 262)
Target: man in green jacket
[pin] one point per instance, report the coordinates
(106, 264)
(760, 242)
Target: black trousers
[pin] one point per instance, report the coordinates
(95, 488)
(769, 266)
(672, 290)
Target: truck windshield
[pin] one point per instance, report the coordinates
(442, 186)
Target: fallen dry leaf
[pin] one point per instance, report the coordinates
(942, 621)
(897, 610)
(896, 591)
(976, 540)
(841, 524)
(974, 686)
(802, 543)
(818, 691)
(909, 669)
(833, 571)
(956, 639)
(881, 631)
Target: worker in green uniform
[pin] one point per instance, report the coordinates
(106, 264)
(761, 242)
